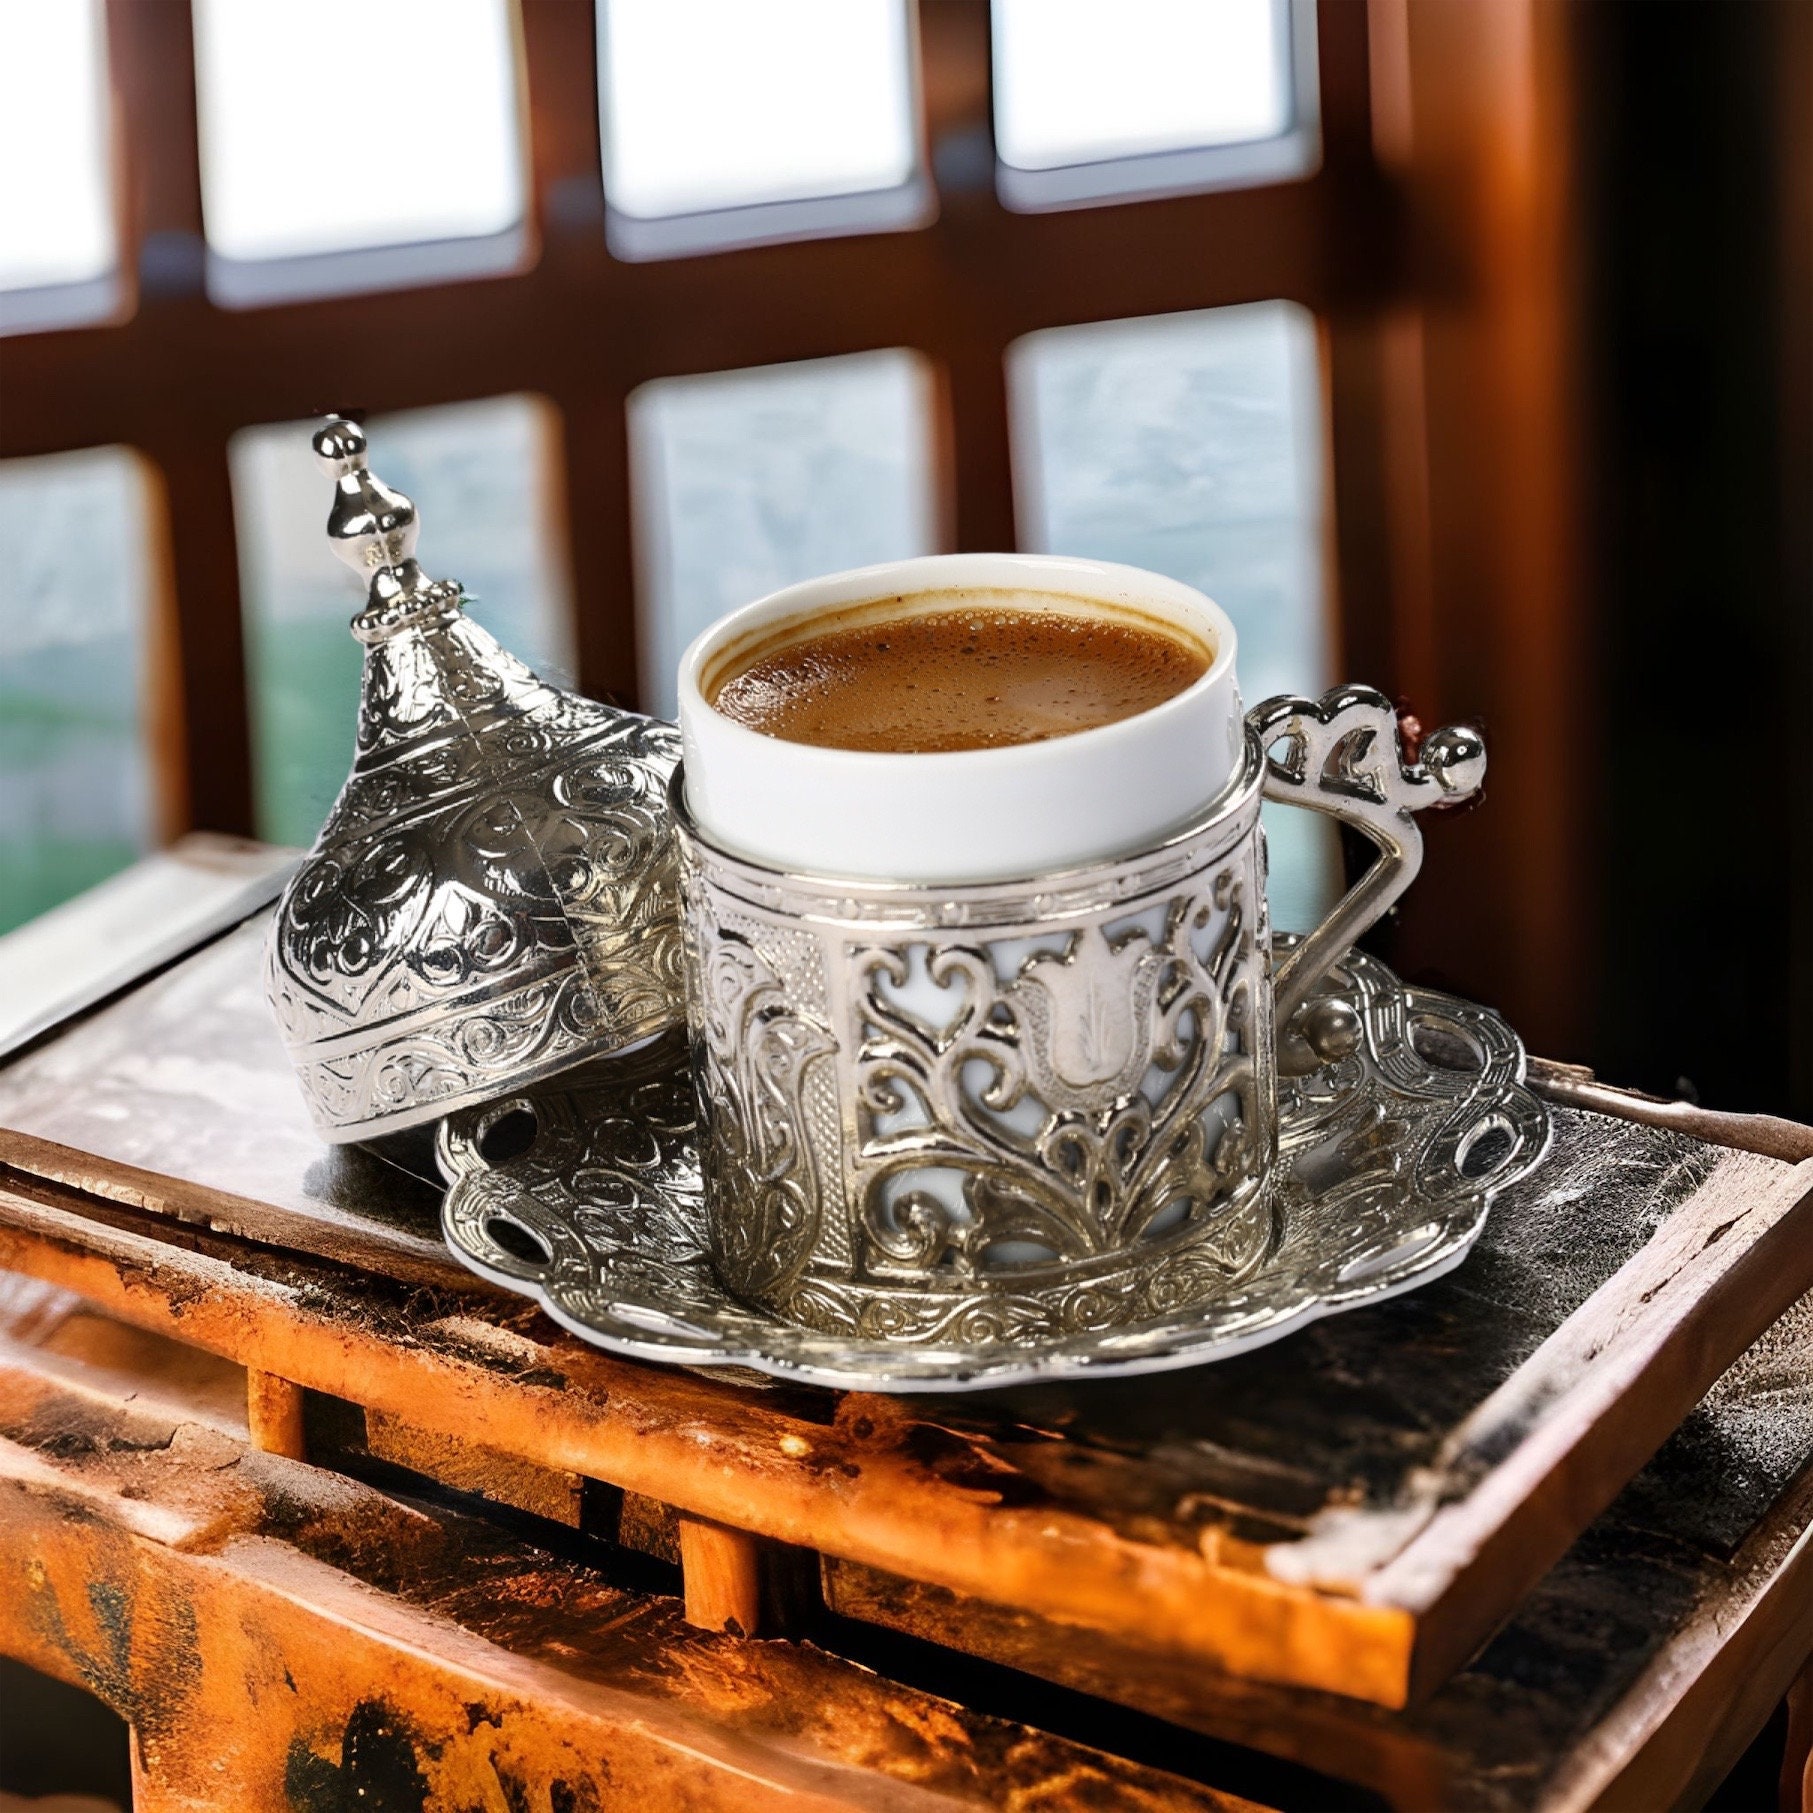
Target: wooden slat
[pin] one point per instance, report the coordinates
(1248, 1537)
(1554, 1445)
(861, 1485)
(710, 1449)
(179, 1098)
(722, 1570)
(277, 1635)
(1673, 1737)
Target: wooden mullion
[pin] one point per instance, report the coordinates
(577, 364)
(598, 512)
(216, 726)
(166, 406)
(981, 446)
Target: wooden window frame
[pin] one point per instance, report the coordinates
(1430, 244)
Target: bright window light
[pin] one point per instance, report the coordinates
(1192, 445)
(332, 125)
(710, 105)
(76, 793)
(750, 480)
(56, 201)
(484, 476)
(1078, 82)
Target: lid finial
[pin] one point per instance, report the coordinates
(373, 529)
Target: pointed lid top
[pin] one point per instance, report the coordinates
(495, 895)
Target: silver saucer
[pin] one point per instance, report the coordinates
(584, 1193)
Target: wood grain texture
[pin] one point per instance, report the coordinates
(1649, 1655)
(1631, 1680)
(279, 1636)
(1552, 1447)
(1768, 1134)
(1795, 1791)
(1673, 1737)
(856, 1483)
(1353, 1509)
(179, 1098)
(469, 1467)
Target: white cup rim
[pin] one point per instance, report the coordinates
(937, 572)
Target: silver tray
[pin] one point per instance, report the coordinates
(584, 1193)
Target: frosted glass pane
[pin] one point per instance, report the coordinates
(1077, 81)
(1192, 445)
(75, 787)
(482, 475)
(711, 104)
(56, 205)
(333, 124)
(751, 480)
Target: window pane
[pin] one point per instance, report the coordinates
(483, 476)
(751, 480)
(56, 202)
(709, 105)
(1082, 84)
(300, 160)
(1192, 445)
(76, 800)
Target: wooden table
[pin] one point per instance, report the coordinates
(324, 1516)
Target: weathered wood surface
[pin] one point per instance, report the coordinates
(1767, 1134)
(1151, 1512)
(1631, 1678)
(178, 1098)
(1353, 1509)
(1632, 1675)
(103, 941)
(279, 1636)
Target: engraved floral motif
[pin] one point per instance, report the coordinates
(751, 1058)
(1072, 1099)
(1368, 1197)
(1031, 1125)
(494, 896)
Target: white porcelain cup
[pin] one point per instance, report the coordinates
(966, 815)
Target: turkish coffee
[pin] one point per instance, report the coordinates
(968, 670)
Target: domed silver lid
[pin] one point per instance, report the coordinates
(495, 895)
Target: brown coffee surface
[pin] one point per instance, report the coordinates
(964, 678)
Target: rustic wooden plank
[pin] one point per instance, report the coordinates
(1676, 1734)
(1614, 1665)
(1795, 1794)
(848, 1484)
(1604, 1694)
(179, 1098)
(1520, 1477)
(277, 1635)
(469, 1467)
(76, 955)
(751, 1459)
(1769, 1134)
(1484, 1418)
(1331, 1732)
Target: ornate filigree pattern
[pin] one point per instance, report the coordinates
(1042, 1117)
(493, 898)
(751, 1057)
(1387, 1161)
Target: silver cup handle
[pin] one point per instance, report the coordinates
(1342, 754)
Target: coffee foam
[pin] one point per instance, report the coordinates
(975, 668)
